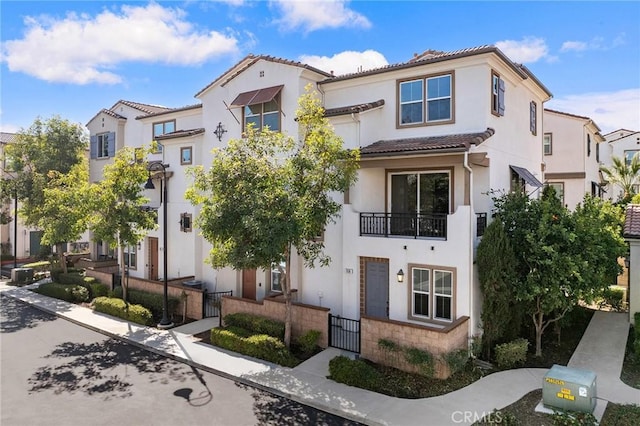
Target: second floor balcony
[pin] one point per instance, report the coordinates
(411, 225)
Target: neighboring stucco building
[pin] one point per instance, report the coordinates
(632, 236)
(437, 135)
(572, 156)
(620, 143)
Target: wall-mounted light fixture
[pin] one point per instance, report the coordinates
(400, 276)
(219, 131)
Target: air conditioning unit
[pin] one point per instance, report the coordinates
(22, 275)
(569, 389)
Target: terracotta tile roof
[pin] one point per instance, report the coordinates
(107, 112)
(351, 109)
(632, 221)
(459, 142)
(146, 108)
(251, 59)
(170, 110)
(567, 114)
(180, 134)
(433, 56)
(6, 137)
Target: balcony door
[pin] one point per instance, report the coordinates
(419, 202)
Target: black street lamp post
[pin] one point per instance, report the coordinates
(165, 322)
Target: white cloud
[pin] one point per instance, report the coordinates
(527, 50)
(578, 46)
(346, 62)
(81, 49)
(314, 15)
(610, 110)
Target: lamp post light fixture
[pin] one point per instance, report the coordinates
(400, 276)
(159, 166)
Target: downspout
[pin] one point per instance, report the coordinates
(466, 166)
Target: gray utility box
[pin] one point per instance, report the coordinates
(22, 275)
(569, 389)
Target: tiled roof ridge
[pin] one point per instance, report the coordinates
(251, 59)
(332, 112)
(181, 133)
(459, 141)
(170, 110)
(568, 114)
(146, 108)
(632, 221)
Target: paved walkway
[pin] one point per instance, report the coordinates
(601, 350)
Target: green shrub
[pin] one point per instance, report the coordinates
(118, 308)
(614, 297)
(151, 301)
(422, 359)
(259, 346)
(512, 353)
(571, 418)
(308, 342)
(354, 373)
(457, 360)
(256, 324)
(69, 293)
(388, 345)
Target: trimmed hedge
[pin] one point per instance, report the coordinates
(307, 344)
(259, 346)
(354, 373)
(66, 292)
(93, 286)
(256, 324)
(512, 353)
(118, 308)
(151, 301)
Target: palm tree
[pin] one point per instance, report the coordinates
(624, 174)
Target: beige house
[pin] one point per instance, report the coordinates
(620, 143)
(571, 156)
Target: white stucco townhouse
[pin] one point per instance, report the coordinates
(572, 156)
(621, 143)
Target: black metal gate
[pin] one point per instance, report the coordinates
(344, 333)
(212, 303)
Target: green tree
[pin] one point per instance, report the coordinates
(266, 197)
(563, 257)
(118, 216)
(497, 274)
(626, 176)
(64, 214)
(35, 158)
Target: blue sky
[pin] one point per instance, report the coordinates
(73, 58)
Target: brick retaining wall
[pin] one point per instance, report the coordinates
(436, 341)
(303, 317)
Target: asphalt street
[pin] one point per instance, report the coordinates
(54, 372)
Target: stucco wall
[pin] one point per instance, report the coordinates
(436, 341)
(303, 317)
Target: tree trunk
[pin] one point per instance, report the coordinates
(123, 270)
(538, 318)
(286, 290)
(61, 257)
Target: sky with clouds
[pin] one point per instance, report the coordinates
(73, 58)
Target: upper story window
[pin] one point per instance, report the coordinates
(186, 222)
(103, 145)
(533, 118)
(497, 94)
(629, 154)
(547, 143)
(185, 155)
(260, 107)
(426, 100)
(597, 153)
(163, 128)
(588, 145)
(263, 115)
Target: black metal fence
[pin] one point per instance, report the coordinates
(344, 333)
(212, 303)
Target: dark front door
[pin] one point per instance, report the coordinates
(153, 258)
(377, 289)
(249, 284)
(34, 243)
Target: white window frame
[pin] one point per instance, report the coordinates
(432, 294)
(547, 144)
(559, 187)
(425, 100)
(438, 98)
(164, 131)
(102, 145)
(262, 114)
(131, 252)
(275, 285)
(411, 102)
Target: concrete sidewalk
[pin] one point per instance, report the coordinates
(307, 383)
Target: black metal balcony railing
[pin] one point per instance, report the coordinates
(404, 224)
(481, 224)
